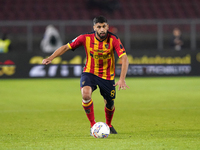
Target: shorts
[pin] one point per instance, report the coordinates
(107, 88)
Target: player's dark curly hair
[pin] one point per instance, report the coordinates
(99, 19)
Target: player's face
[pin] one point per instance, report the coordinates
(101, 30)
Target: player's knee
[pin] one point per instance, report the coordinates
(110, 105)
(86, 93)
(86, 97)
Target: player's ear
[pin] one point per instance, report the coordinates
(94, 28)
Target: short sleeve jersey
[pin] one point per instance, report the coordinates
(100, 54)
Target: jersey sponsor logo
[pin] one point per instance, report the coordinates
(107, 56)
(101, 51)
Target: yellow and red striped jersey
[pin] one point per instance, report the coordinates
(100, 54)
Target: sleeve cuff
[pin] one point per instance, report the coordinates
(122, 55)
(69, 45)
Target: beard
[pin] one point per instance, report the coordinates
(102, 36)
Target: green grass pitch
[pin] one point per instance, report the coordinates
(46, 114)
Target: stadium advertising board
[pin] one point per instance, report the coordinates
(162, 65)
(15, 65)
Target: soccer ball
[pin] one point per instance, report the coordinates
(100, 130)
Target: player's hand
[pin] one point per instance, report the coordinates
(122, 85)
(46, 61)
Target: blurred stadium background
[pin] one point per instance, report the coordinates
(144, 26)
(155, 113)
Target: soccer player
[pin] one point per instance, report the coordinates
(99, 69)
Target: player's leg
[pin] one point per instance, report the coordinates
(87, 87)
(109, 112)
(87, 103)
(107, 90)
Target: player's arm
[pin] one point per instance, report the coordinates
(72, 45)
(124, 68)
(57, 53)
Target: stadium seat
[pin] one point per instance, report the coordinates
(77, 9)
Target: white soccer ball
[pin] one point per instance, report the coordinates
(100, 130)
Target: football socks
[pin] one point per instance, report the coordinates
(89, 110)
(109, 115)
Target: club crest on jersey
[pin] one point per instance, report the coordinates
(106, 46)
